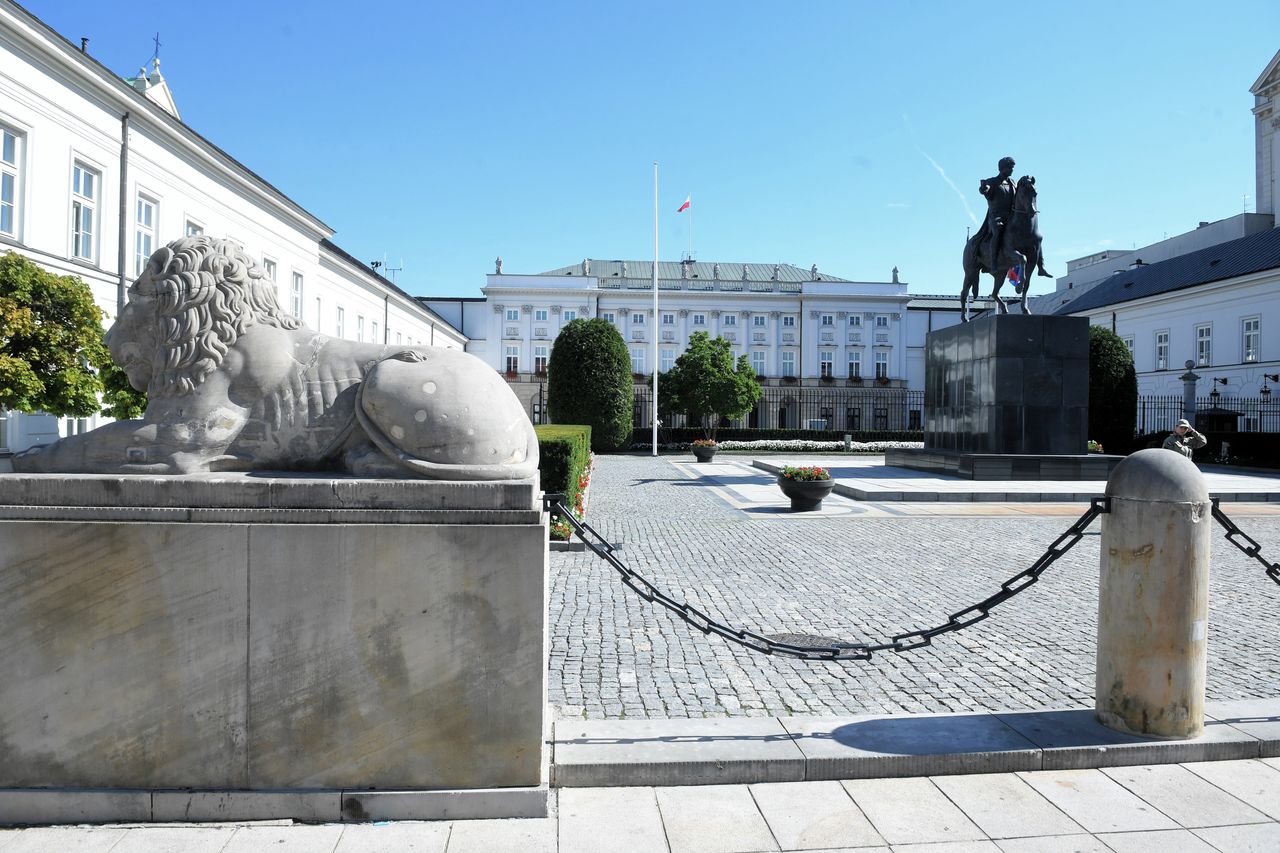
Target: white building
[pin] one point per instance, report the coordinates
(96, 172)
(797, 327)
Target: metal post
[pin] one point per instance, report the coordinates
(1153, 597)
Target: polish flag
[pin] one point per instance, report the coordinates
(682, 208)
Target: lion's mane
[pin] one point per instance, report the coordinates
(206, 294)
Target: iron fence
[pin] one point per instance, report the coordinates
(836, 409)
(1227, 413)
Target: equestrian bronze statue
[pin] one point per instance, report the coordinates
(1009, 238)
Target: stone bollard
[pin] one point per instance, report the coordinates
(848, 443)
(1153, 597)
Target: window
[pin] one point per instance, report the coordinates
(1204, 345)
(360, 328)
(610, 317)
(373, 335)
(879, 418)
(1251, 336)
(789, 322)
(757, 362)
(882, 321)
(398, 335)
(759, 320)
(855, 364)
(569, 316)
(728, 319)
(855, 320)
(513, 315)
(1162, 350)
(788, 363)
(513, 358)
(1128, 342)
(826, 361)
(193, 229)
(144, 238)
(84, 210)
(540, 359)
(668, 359)
(853, 418)
(637, 359)
(637, 319)
(699, 319)
(540, 315)
(270, 267)
(339, 322)
(295, 299)
(10, 151)
(828, 320)
(882, 369)
(668, 319)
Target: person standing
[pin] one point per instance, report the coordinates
(1185, 439)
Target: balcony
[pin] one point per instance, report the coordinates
(668, 336)
(855, 337)
(637, 335)
(511, 332)
(827, 337)
(540, 332)
(788, 337)
(757, 337)
(882, 338)
(730, 336)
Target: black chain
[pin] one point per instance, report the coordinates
(834, 650)
(1245, 542)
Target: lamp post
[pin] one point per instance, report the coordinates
(1265, 394)
(1214, 395)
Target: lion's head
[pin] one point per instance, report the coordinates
(195, 298)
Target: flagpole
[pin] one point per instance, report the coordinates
(689, 254)
(656, 319)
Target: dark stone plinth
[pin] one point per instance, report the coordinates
(1006, 466)
(1008, 384)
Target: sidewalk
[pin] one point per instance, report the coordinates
(1227, 806)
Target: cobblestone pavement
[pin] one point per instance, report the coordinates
(857, 572)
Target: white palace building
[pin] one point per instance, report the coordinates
(98, 170)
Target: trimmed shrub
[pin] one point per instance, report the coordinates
(564, 457)
(684, 435)
(589, 382)
(1113, 391)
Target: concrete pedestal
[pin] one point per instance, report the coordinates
(330, 641)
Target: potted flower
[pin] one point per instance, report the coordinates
(788, 380)
(826, 379)
(882, 380)
(805, 486)
(855, 379)
(1095, 447)
(704, 449)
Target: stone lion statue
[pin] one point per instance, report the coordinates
(234, 384)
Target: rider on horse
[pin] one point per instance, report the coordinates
(999, 192)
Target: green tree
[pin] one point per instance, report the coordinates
(707, 385)
(51, 344)
(589, 382)
(1113, 391)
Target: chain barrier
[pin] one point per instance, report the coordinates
(786, 645)
(1244, 541)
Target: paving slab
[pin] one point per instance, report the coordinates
(399, 837)
(1166, 841)
(1076, 740)
(911, 811)
(1184, 796)
(1252, 838)
(173, 839)
(949, 847)
(1053, 844)
(284, 839)
(46, 838)
(814, 816)
(878, 746)
(713, 819)
(1005, 806)
(1253, 782)
(598, 753)
(488, 836)
(1258, 718)
(610, 820)
(1096, 802)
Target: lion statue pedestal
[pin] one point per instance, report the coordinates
(193, 633)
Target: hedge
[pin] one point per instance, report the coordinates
(564, 455)
(589, 382)
(1255, 449)
(1113, 390)
(684, 435)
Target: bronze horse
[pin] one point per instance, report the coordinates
(1021, 246)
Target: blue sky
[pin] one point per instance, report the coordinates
(847, 134)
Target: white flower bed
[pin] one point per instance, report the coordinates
(790, 445)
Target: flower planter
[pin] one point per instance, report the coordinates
(704, 454)
(805, 495)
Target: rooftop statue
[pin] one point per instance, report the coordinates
(235, 384)
(1008, 238)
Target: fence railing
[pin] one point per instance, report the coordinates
(1223, 413)
(836, 409)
